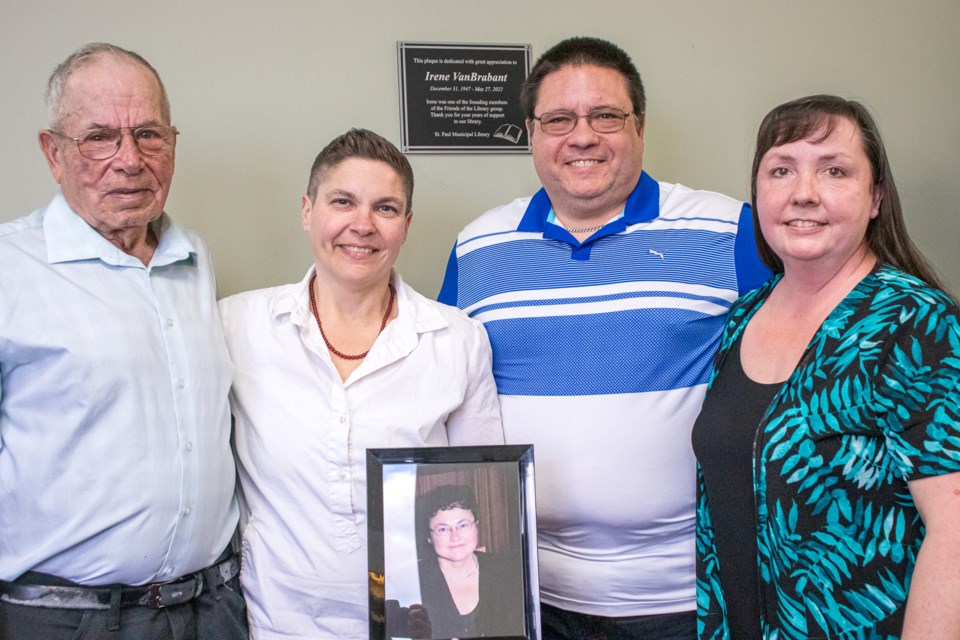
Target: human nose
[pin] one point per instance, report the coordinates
(805, 189)
(582, 133)
(362, 221)
(128, 152)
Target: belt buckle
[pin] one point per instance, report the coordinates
(154, 599)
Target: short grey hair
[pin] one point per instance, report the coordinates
(84, 56)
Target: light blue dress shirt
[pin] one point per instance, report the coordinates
(115, 463)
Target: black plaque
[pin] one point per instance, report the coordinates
(462, 98)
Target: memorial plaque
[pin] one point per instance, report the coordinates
(462, 98)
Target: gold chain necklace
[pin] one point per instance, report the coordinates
(585, 229)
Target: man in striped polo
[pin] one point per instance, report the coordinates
(604, 295)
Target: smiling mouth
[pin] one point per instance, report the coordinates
(355, 249)
(805, 224)
(583, 163)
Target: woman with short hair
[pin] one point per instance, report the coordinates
(347, 359)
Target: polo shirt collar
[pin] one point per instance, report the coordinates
(69, 238)
(642, 205)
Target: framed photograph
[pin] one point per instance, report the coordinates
(452, 543)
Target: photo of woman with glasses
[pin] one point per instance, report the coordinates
(466, 592)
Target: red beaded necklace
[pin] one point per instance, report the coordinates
(333, 350)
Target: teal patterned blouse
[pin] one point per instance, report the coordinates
(873, 403)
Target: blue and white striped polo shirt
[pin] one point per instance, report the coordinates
(602, 350)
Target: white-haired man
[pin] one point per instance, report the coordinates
(117, 498)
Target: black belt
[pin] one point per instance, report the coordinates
(155, 596)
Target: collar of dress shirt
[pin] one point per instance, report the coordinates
(69, 238)
(415, 314)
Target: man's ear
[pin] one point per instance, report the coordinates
(52, 152)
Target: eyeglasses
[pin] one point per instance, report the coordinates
(101, 144)
(605, 120)
(445, 530)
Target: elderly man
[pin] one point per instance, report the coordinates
(116, 478)
(604, 296)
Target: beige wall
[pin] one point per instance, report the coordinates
(259, 87)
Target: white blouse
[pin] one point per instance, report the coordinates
(302, 434)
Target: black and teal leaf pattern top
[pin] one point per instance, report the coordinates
(873, 403)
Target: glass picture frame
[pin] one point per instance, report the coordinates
(452, 543)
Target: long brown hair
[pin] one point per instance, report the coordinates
(814, 118)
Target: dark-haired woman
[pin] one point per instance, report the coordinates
(466, 593)
(829, 442)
